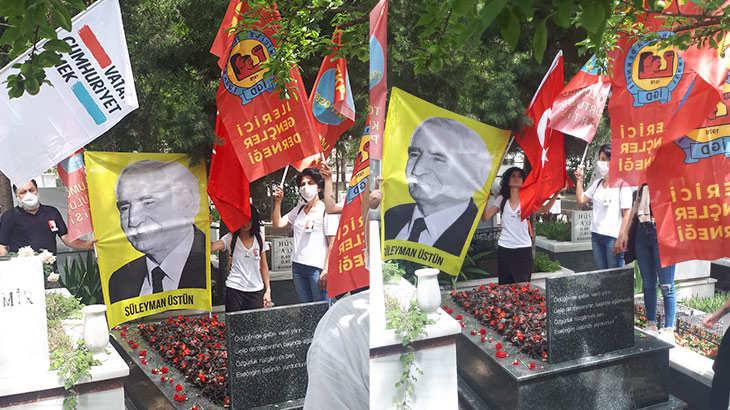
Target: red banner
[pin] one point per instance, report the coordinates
(577, 110)
(227, 183)
(378, 75)
(689, 182)
(266, 131)
(347, 265)
(659, 95)
(331, 103)
(72, 172)
(543, 146)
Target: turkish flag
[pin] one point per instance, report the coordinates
(227, 183)
(543, 146)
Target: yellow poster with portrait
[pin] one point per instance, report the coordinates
(437, 168)
(150, 214)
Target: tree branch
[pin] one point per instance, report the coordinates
(355, 21)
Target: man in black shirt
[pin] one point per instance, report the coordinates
(31, 223)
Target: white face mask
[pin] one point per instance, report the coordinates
(29, 201)
(308, 192)
(602, 168)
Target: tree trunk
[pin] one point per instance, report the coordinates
(6, 194)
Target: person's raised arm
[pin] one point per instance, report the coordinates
(78, 243)
(580, 196)
(276, 221)
(3, 250)
(217, 246)
(329, 203)
(489, 211)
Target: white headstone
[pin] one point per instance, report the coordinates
(580, 226)
(281, 250)
(24, 338)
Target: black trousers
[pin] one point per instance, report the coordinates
(238, 300)
(720, 393)
(514, 265)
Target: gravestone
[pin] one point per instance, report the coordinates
(267, 353)
(580, 226)
(589, 313)
(281, 250)
(24, 347)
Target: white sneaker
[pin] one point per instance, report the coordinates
(651, 329)
(667, 335)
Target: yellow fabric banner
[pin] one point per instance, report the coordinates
(437, 168)
(150, 213)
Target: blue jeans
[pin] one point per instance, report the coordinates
(647, 256)
(603, 252)
(306, 282)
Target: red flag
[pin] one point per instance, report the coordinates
(659, 95)
(689, 182)
(378, 75)
(347, 269)
(578, 108)
(72, 172)
(331, 103)
(227, 183)
(543, 146)
(266, 131)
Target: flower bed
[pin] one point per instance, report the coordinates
(689, 331)
(196, 347)
(517, 312)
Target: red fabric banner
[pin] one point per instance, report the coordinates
(331, 103)
(659, 95)
(347, 264)
(267, 132)
(578, 108)
(378, 75)
(227, 183)
(689, 182)
(73, 174)
(544, 147)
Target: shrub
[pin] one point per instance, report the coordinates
(543, 263)
(707, 304)
(553, 230)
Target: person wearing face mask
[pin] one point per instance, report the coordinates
(35, 225)
(314, 233)
(611, 207)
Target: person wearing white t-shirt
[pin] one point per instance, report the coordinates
(247, 286)
(314, 233)
(515, 261)
(611, 207)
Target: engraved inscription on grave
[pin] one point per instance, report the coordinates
(589, 313)
(281, 250)
(267, 353)
(580, 226)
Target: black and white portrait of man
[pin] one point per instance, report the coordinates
(157, 203)
(447, 163)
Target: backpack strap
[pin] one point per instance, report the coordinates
(234, 239)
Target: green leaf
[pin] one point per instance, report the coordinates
(593, 15)
(539, 41)
(510, 27)
(49, 58)
(47, 32)
(564, 10)
(10, 35)
(424, 19)
(477, 26)
(12, 7)
(58, 46)
(464, 7)
(61, 17)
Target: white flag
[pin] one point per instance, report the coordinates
(92, 90)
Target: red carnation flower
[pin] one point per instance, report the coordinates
(484, 339)
(462, 324)
(124, 327)
(501, 354)
(459, 317)
(473, 333)
(154, 371)
(178, 387)
(499, 346)
(123, 335)
(483, 331)
(143, 353)
(162, 379)
(531, 366)
(163, 370)
(135, 345)
(201, 376)
(144, 361)
(516, 362)
(450, 311)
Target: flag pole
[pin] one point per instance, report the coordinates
(584, 154)
(509, 145)
(281, 184)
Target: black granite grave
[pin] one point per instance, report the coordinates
(267, 353)
(635, 376)
(589, 314)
